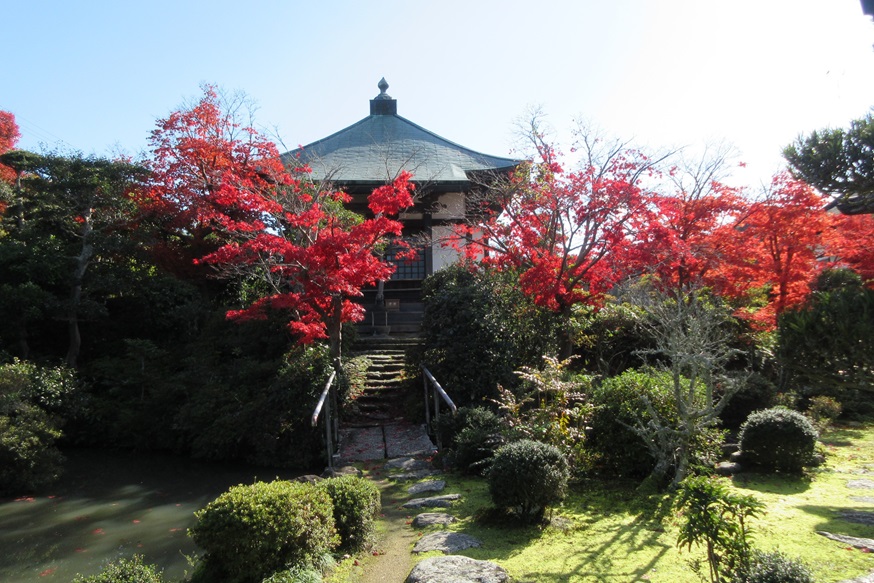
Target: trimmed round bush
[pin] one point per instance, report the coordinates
(778, 439)
(773, 567)
(131, 570)
(356, 506)
(526, 477)
(251, 532)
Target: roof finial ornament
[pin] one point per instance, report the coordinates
(383, 86)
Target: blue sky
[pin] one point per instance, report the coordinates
(95, 75)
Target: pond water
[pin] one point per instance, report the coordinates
(109, 505)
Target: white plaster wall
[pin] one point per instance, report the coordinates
(450, 206)
(442, 255)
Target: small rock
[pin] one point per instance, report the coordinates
(729, 448)
(432, 519)
(341, 471)
(429, 486)
(861, 484)
(447, 542)
(456, 569)
(309, 479)
(407, 464)
(727, 468)
(444, 501)
(735, 457)
(409, 476)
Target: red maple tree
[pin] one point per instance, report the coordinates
(220, 183)
(779, 247)
(562, 230)
(9, 135)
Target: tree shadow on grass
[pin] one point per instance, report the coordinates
(841, 436)
(605, 535)
(843, 520)
(781, 483)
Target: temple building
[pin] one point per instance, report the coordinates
(374, 151)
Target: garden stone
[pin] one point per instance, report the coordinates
(456, 569)
(308, 479)
(444, 501)
(408, 464)
(342, 471)
(727, 468)
(869, 578)
(416, 475)
(447, 542)
(864, 499)
(735, 457)
(853, 541)
(861, 484)
(432, 519)
(429, 486)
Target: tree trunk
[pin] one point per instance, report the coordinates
(82, 261)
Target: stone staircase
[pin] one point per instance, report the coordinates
(382, 399)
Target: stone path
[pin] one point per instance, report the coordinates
(361, 444)
(861, 517)
(449, 568)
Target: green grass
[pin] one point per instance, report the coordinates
(606, 531)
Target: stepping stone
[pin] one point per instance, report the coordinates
(408, 464)
(861, 484)
(456, 569)
(407, 440)
(853, 541)
(447, 542)
(432, 519)
(865, 499)
(429, 486)
(342, 471)
(869, 578)
(410, 476)
(444, 501)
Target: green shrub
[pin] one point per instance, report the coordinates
(756, 393)
(774, 567)
(526, 477)
(824, 344)
(618, 404)
(479, 328)
(251, 532)
(295, 575)
(28, 430)
(356, 507)
(823, 411)
(778, 439)
(471, 435)
(124, 571)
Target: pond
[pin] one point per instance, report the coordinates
(109, 505)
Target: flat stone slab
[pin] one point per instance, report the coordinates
(853, 541)
(433, 519)
(408, 464)
(865, 499)
(861, 484)
(407, 440)
(444, 501)
(361, 444)
(429, 486)
(457, 569)
(447, 542)
(416, 475)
